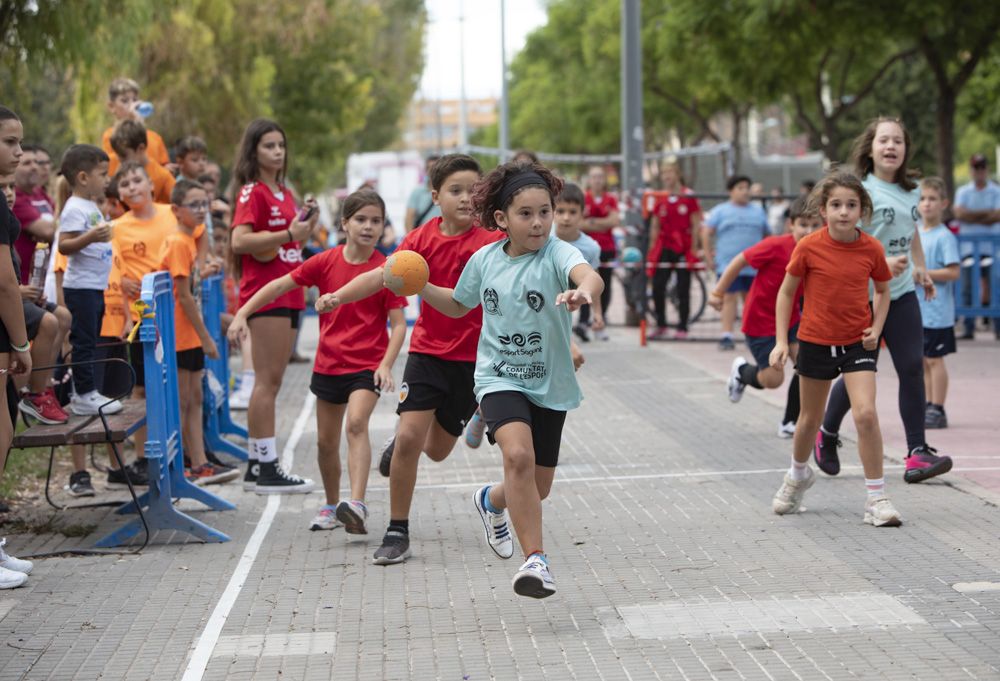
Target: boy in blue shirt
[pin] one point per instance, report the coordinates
(941, 255)
(736, 225)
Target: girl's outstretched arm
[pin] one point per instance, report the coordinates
(358, 288)
(783, 315)
(266, 294)
(442, 300)
(589, 287)
(397, 334)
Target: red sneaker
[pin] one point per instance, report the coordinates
(208, 474)
(923, 463)
(43, 407)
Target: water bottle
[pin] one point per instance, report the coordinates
(39, 265)
(144, 109)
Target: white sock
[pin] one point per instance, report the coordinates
(263, 449)
(247, 381)
(876, 488)
(799, 471)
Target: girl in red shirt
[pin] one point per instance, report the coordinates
(266, 236)
(355, 356)
(838, 336)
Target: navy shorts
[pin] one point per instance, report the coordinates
(191, 360)
(294, 316)
(741, 284)
(761, 346)
(939, 342)
(827, 362)
(444, 386)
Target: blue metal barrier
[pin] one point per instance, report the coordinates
(163, 444)
(218, 421)
(978, 264)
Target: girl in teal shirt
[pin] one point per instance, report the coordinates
(525, 380)
(880, 157)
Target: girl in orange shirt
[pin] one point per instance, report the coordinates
(838, 335)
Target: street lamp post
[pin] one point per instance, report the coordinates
(632, 139)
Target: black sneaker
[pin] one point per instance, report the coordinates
(935, 419)
(726, 343)
(825, 453)
(273, 480)
(395, 548)
(582, 332)
(119, 477)
(140, 471)
(250, 478)
(216, 461)
(385, 462)
(80, 485)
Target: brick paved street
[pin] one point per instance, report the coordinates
(668, 561)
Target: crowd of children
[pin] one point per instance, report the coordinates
(511, 255)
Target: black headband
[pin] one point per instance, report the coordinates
(527, 178)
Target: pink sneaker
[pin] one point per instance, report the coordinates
(660, 332)
(924, 463)
(681, 335)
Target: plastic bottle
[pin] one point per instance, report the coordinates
(144, 109)
(39, 265)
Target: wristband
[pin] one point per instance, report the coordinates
(289, 230)
(20, 348)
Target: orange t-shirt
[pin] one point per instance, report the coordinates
(835, 278)
(156, 150)
(178, 257)
(113, 321)
(163, 181)
(140, 241)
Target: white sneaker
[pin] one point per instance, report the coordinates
(601, 334)
(11, 579)
(11, 563)
(736, 386)
(534, 579)
(881, 513)
(497, 526)
(239, 400)
(88, 404)
(325, 519)
(786, 431)
(353, 514)
(789, 496)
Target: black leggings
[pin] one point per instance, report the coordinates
(605, 271)
(904, 337)
(661, 277)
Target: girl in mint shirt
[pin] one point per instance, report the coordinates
(880, 156)
(525, 380)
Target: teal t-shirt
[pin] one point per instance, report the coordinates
(524, 343)
(894, 223)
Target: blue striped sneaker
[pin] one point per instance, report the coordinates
(496, 525)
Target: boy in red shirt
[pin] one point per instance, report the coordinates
(179, 254)
(769, 257)
(437, 396)
(601, 213)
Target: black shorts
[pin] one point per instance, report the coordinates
(826, 362)
(191, 360)
(939, 342)
(294, 315)
(546, 424)
(761, 346)
(137, 359)
(443, 386)
(337, 389)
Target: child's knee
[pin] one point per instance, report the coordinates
(49, 326)
(357, 427)
(865, 417)
(519, 459)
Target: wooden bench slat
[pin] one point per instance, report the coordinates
(120, 425)
(43, 435)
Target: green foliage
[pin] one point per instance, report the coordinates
(336, 74)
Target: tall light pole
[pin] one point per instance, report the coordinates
(632, 139)
(504, 109)
(463, 121)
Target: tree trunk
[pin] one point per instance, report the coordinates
(945, 142)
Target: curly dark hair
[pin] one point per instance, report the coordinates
(486, 195)
(840, 178)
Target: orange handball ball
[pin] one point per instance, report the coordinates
(405, 273)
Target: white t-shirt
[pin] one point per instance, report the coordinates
(89, 267)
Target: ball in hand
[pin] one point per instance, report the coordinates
(405, 273)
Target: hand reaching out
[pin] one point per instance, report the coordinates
(574, 299)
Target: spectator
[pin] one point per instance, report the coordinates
(601, 217)
(421, 206)
(777, 212)
(32, 209)
(129, 141)
(123, 101)
(977, 207)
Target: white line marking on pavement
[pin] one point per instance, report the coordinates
(277, 645)
(975, 587)
(206, 643)
(665, 476)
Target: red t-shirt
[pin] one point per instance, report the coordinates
(835, 275)
(260, 208)
(674, 212)
(353, 337)
(27, 209)
(435, 333)
(601, 207)
(770, 258)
